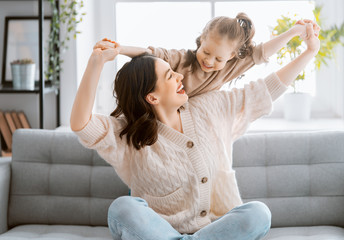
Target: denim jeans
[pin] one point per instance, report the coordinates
(130, 218)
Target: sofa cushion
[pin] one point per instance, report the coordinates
(306, 233)
(299, 175)
(56, 232)
(55, 180)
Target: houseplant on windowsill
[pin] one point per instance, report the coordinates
(298, 104)
(23, 74)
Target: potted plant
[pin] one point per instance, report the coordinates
(23, 74)
(298, 104)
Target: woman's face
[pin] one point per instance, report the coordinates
(214, 52)
(169, 92)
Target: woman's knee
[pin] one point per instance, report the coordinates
(123, 206)
(259, 215)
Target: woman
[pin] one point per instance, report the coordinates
(173, 153)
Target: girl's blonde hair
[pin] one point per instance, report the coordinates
(239, 29)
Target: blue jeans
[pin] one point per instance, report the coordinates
(130, 218)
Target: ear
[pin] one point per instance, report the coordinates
(152, 99)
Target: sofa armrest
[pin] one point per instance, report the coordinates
(5, 176)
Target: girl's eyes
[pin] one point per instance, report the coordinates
(206, 53)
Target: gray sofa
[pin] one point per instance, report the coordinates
(53, 188)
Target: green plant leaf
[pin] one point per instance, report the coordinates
(329, 39)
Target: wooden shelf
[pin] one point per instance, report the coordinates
(6, 89)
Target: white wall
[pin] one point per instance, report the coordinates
(99, 23)
(331, 77)
(94, 27)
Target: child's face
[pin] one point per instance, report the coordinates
(214, 52)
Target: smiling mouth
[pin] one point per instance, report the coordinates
(180, 89)
(206, 66)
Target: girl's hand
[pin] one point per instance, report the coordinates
(312, 41)
(301, 26)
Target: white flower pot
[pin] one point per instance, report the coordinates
(297, 106)
(23, 76)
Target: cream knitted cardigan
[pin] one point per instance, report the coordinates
(187, 178)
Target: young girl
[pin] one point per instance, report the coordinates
(173, 153)
(224, 52)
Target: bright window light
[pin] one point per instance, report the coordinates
(160, 24)
(264, 19)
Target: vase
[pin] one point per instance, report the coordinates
(23, 76)
(297, 106)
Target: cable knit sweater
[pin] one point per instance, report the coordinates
(197, 81)
(187, 178)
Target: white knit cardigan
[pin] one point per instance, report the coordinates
(187, 178)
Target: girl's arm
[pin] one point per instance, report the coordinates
(275, 44)
(288, 73)
(84, 100)
(128, 51)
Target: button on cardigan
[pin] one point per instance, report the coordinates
(169, 173)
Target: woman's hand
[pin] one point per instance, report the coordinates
(106, 44)
(106, 50)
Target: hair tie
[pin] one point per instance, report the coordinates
(244, 23)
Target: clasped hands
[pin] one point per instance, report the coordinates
(309, 33)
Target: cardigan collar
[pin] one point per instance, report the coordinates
(187, 124)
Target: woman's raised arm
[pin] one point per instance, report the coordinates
(84, 100)
(288, 73)
(275, 44)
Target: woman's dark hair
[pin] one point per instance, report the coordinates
(239, 29)
(132, 84)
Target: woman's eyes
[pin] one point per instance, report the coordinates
(206, 53)
(218, 60)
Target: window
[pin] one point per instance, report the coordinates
(160, 24)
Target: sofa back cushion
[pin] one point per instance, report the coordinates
(299, 175)
(55, 180)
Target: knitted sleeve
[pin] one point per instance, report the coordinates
(173, 57)
(102, 134)
(234, 110)
(252, 102)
